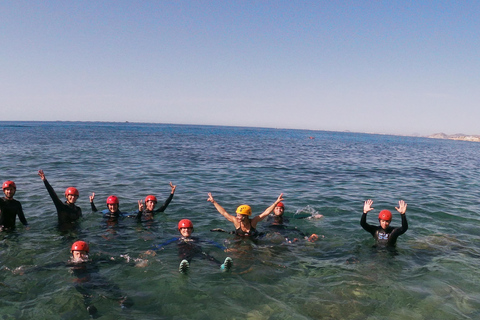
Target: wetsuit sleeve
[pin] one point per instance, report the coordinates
(367, 227)
(160, 246)
(56, 200)
(165, 204)
(401, 230)
(139, 215)
(21, 216)
(92, 205)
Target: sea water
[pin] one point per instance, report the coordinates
(432, 274)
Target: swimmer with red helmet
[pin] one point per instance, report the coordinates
(244, 226)
(278, 221)
(147, 211)
(10, 208)
(384, 234)
(88, 280)
(189, 247)
(67, 212)
(113, 212)
(79, 250)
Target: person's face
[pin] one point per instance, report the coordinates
(150, 205)
(9, 192)
(71, 198)
(79, 256)
(384, 223)
(278, 211)
(186, 232)
(241, 217)
(112, 207)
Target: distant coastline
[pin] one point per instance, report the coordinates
(458, 136)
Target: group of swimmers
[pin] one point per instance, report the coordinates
(69, 213)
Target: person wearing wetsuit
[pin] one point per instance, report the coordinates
(113, 212)
(68, 213)
(146, 213)
(244, 226)
(384, 234)
(277, 218)
(189, 247)
(277, 225)
(10, 208)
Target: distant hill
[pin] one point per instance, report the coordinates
(458, 136)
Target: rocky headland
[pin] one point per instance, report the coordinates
(458, 136)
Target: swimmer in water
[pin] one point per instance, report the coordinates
(189, 247)
(147, 212)
(384, 234)
(244, 226)
(88, 280)
(10, 208)
(113, 212)
(67, 212)
(277, 224)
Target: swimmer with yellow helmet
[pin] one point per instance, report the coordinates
(244, 226)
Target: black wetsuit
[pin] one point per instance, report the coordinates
(9, 209)
(252, 233)
(147, 215)
(276, 220)
(189, 248)
(277, 226)
(387, 237)
(88, 281)
(67, 213)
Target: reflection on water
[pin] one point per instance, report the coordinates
(432, 274)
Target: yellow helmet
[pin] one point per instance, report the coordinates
(244, 209)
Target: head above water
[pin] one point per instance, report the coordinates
(185, 227)
(279, 209)
(244, 210)
(9, 188)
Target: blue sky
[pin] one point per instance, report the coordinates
(399, 67)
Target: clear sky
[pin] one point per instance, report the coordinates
(400, 67)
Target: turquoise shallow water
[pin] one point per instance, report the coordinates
(432, 274)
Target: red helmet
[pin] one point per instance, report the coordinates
(280, 204)
(112, 200)
(80, 246)
(73, 191)
(385, 215)
(185, 223)
(151, 198)
(9, 184)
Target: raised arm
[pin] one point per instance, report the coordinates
(367, 207)
(265, 213)
(92, 205)
(56, 200)
(220, 209)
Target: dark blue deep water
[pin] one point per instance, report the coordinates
(432, 274)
